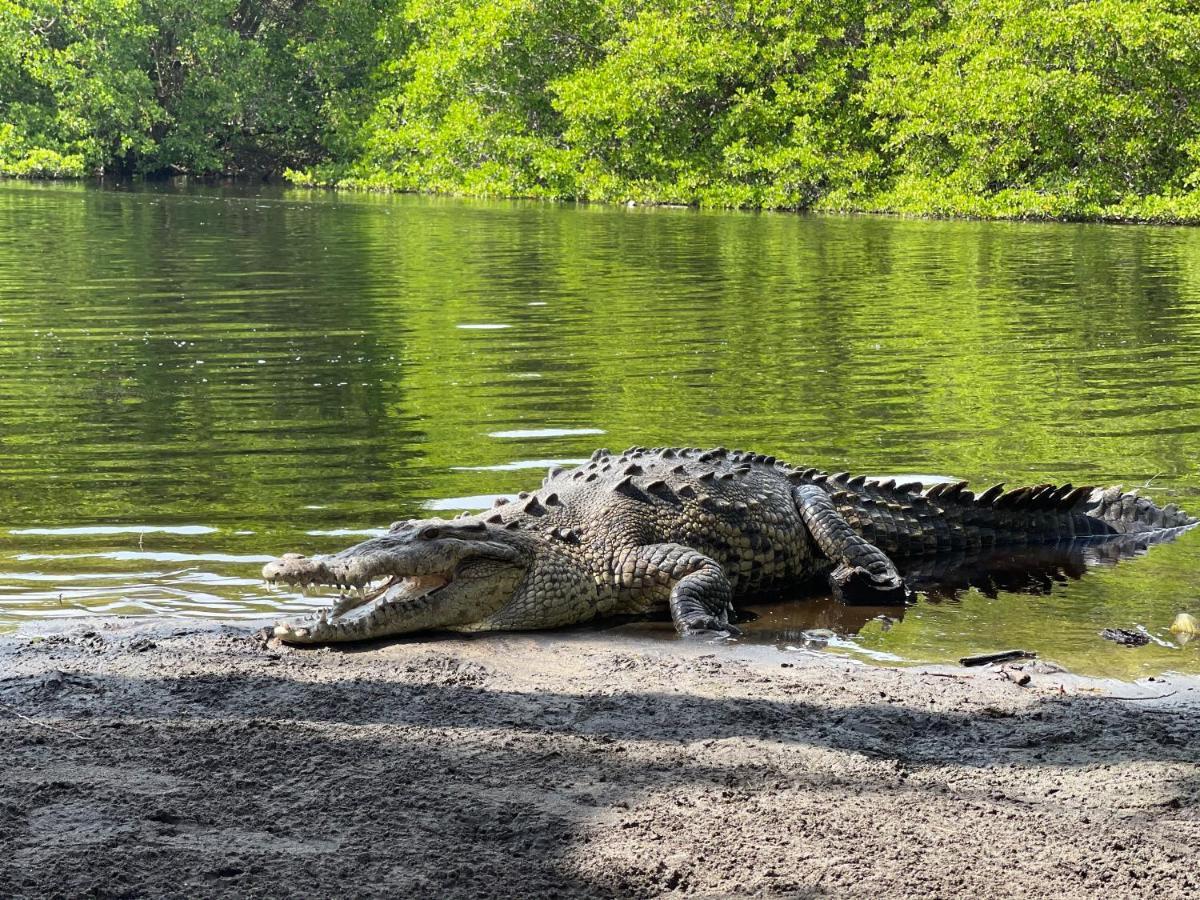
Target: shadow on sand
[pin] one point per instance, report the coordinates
(431, 781)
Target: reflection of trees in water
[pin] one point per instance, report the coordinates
(979, 349)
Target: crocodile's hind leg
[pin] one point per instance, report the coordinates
(700, 596)
(862, 572)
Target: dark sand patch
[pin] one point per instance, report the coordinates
(177, 759)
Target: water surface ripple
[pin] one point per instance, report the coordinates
(193, 380)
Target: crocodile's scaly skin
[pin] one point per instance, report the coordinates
(689, 529)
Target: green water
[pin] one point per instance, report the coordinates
(195, 380)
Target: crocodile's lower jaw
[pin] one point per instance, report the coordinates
(364, 614)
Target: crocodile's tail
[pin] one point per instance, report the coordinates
(906, 521)
(1048, 511)
(1128, 513)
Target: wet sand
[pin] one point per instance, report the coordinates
(184, 759)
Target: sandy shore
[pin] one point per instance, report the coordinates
(180, 759)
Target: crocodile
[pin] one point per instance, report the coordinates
(686, 530)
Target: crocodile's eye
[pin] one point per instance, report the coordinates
(429, 533)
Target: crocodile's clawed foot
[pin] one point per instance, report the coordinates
(709, 627)
(854, 584)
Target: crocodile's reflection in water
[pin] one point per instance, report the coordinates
(1026, 570)
(788, 618)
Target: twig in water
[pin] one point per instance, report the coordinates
(62, 601)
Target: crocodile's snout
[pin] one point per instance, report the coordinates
(291, 567)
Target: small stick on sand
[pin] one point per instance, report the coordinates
(946, 675)
(1153, 697)
(46, 725)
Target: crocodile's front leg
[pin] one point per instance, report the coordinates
(698, 593)
(862, 572)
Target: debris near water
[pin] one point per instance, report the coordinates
(1002, 656)
(1126, 637)
(817, 638)
(1016, 674)
(1186, 625)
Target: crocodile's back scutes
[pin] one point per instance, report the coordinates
(738, 508)
(734, 508)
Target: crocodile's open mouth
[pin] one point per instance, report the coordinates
(365, 601)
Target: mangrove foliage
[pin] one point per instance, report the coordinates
(1044, 108)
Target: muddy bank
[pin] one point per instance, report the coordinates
(180, 759)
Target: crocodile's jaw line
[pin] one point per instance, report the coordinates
(396, 584)
(379, 609)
